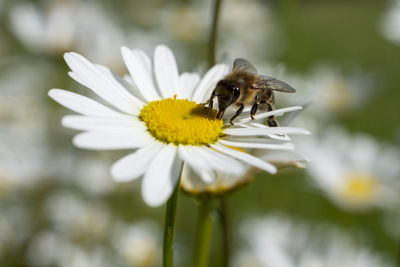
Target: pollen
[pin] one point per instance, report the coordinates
(181, 121)
(360, 187)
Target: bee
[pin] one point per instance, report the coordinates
(244, 87)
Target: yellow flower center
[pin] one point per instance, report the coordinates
(360, 187)
(180, 121)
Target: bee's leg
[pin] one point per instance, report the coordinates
(210, 101)
(254, 107)
(271, 119)
(237, 113)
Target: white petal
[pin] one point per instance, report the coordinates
(166, 71)
(103, 141)
(197, 163)
(253, 140)
(283, 146)
(108, 89)
(139, 66)
(285, 157)
(278, 137)
(263, 115)
(134, 165)
(187, 84)
(128, 79)
(161, 176)
(109, 125)
(265, 131)
(221, 162)
(249, 159)
(132, 89)
(207, 84)
(76, 78)
(81, 104)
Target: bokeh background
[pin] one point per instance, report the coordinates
(59, 205)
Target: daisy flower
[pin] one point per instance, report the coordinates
(328, 91)
(161, 115)
(224, 182)
(276, 241)
(138, 244)
(48, 28)
(356, 172)
(49, 248)
(390, 22)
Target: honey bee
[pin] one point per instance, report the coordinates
(244, 87)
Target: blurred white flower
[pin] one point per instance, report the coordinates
(92, 175)
(76, 218)
(156, 117)
(248, 29)
(275, 241)
(227, 182)
(327, 91)
(242, 24)
(24, 151)
(390, 24)
(223, 182)
(59, 26)
(49, 248)
(139, 244)
(185, 23)
(43, 32)
(356, 172)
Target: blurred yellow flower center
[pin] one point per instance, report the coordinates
(180, 121)
(360, 187)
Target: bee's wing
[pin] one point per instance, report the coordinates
(241, 64)
(274, 84)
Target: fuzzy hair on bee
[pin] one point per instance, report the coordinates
(244, 87)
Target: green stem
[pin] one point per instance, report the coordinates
(202, 241)
(214, 34)
(169, 226)
(203, 234)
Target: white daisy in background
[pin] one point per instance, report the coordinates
(246, 14)
(40, 31)
(327, 91)
(390, 23)
(237, 37)
(90, 174)
(224, 182)
(76, 218)
(48, 248)
(78, 226)
(162, 115)
(356, 172)
(276, 241)
(27, 158)
(75, 228)
(48, 28)
(138, 244)
(24, 152)
(194, 28)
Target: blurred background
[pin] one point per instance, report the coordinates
(60, 207)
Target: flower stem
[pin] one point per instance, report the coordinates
(204, 229)
(169, 226)
(214, 34)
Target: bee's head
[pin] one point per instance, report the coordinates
(227, 93)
